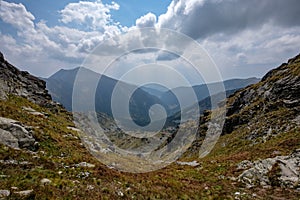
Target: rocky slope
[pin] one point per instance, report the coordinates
(15, 82)
(267, 110)
(270, 107)
(21, 83)
(262, 130)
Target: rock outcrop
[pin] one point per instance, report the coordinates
(4, 193)
(21, 83)
(15, 135)
(281, 171)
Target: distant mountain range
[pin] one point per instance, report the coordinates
(60, 86)
(201, 91)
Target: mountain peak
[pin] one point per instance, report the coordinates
(62, 72)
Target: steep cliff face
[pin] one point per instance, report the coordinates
(21, 83)
(269, 107)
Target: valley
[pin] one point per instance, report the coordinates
(43, 154)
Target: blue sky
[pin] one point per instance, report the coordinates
(244, 38)
(133, 9)
(129, 12)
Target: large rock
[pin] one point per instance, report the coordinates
(4, 193)
(45, 181)
(15, 135)
(281, 171)
(24, 193)
(8, 139)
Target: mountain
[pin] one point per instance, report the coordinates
(62, 83)
(201, 91)
(278, 91)
(203, 106)
(266, 116)
(261, 133)
(60, 86)
(155, 89)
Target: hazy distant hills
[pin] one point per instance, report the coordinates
(60, 86)
(202, 92)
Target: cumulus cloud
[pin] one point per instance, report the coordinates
(245, 38)
(58, 46)
(31, 41)
(252, 52)
(199, 19)
(148, 20)
(16, 15)
(92, 15)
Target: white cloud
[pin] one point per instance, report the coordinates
(148, 20)
(58, 46)
(16, 15)
(28, 57)
(203, 18)
(92, 15)
(253, 52)
(70, 40)
(245, 38)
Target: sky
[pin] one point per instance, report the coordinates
(244, 38)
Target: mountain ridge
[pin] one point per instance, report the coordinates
(21, 83)
(61, 83)
(60, 86)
